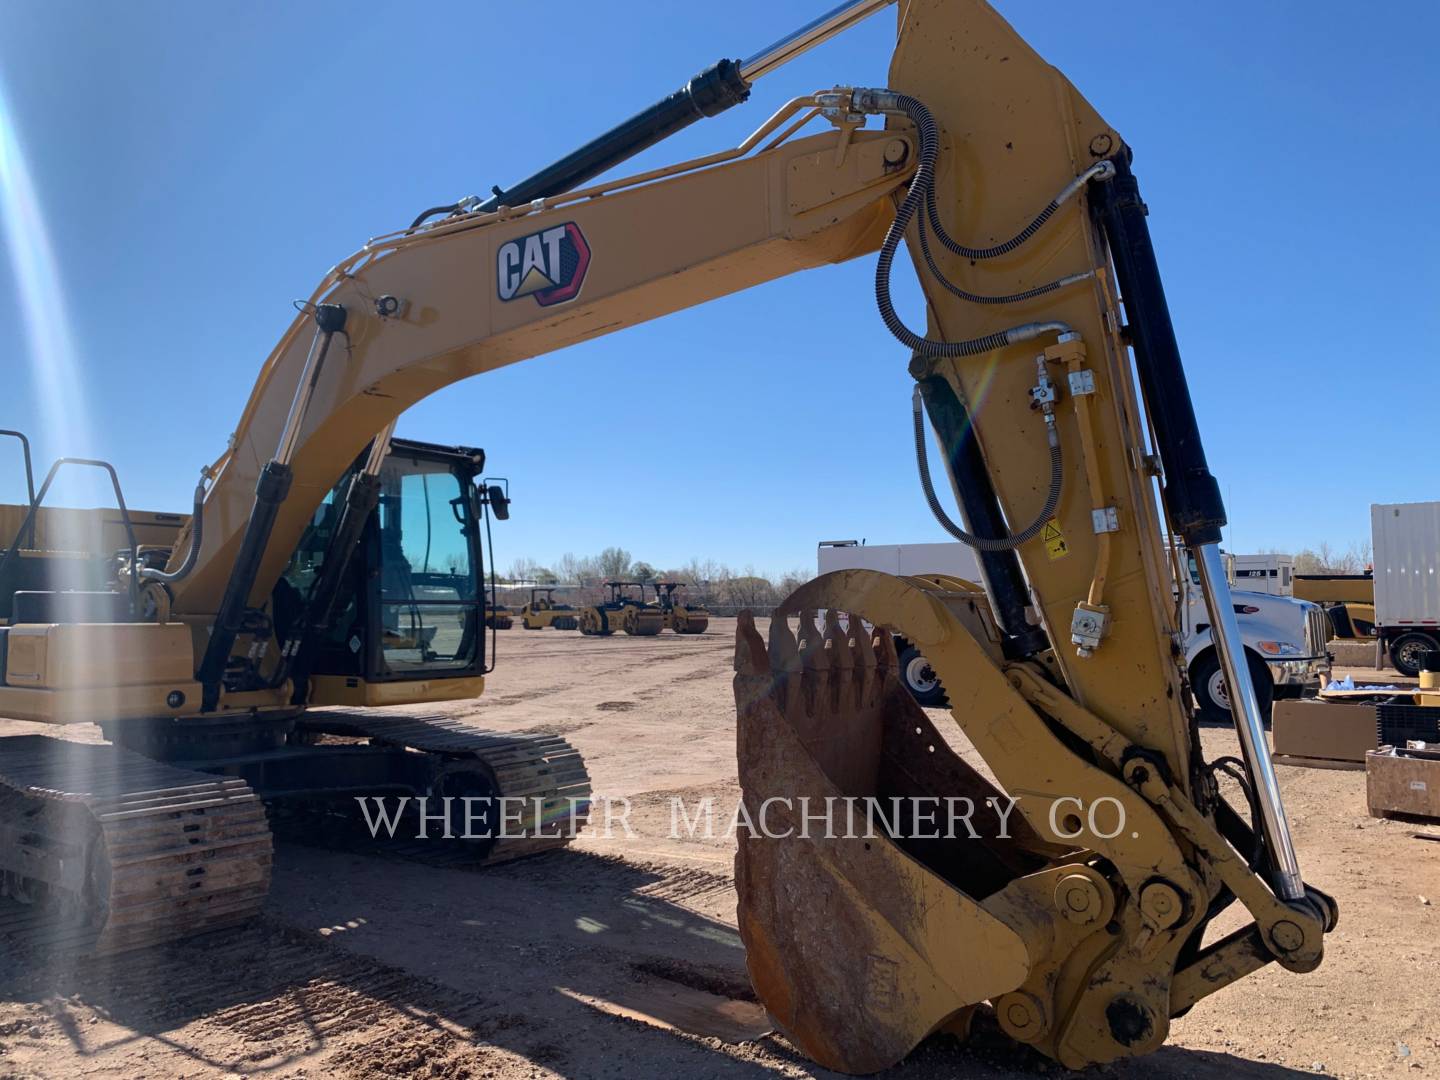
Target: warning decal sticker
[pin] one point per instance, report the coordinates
(1055, 545)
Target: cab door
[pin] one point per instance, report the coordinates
(426, 599)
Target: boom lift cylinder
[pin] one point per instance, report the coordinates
(270, 491)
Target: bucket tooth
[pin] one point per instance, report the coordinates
(864, 640)
(784, 650)
(785, 658)
(750, 657)
(812, 642)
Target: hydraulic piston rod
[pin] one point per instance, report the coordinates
(1225, 631)
(717, 88)
(1192, 495)
(808, 36)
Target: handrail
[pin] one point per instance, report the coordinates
(30, 517)
(29, 475)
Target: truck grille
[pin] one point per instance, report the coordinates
(1317, 631)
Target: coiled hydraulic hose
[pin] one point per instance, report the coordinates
(984, 543)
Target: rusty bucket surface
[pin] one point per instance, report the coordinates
(861, 944)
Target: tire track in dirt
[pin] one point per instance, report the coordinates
(266, 998)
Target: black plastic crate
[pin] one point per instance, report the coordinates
(1398, 724)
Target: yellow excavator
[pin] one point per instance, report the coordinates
(542, 610)
(1048, 373)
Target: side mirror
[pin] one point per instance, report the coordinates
(499, 502)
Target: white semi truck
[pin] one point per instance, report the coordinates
(1285, 639)
(1406, 542)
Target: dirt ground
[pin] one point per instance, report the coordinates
(365, 966)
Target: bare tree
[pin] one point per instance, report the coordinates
(790, 581)
(697, 571)
(567, 567)
(521, 569)
(614, 562)
(749, 589)
(1323, 559)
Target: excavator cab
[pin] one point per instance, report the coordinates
(410, 605)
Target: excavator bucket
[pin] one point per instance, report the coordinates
(860, 945)
(886, 888)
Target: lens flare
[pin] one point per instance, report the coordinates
(63, 410)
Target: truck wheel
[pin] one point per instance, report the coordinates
(1208, 683)
(923, 684)
(1408, 650)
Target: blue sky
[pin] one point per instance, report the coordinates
(199, 167)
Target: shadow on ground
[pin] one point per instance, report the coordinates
(373, 967)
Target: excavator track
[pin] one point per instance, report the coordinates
(544, 770)
(103, 850)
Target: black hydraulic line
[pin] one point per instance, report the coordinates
(448, 208)
(303, 638)
(980, 510)
(709, 93)
(979, 298)
(1008, 542)
(487, 663)
(920, 189)
(1192, 494)
(197, 537)
(967, 252)
(270, 492)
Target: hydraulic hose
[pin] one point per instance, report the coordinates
(984, 543)
(197, 533)
(425, 215)
(977, 298)
(922, 190)
(921, 187)
(1102, 170)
